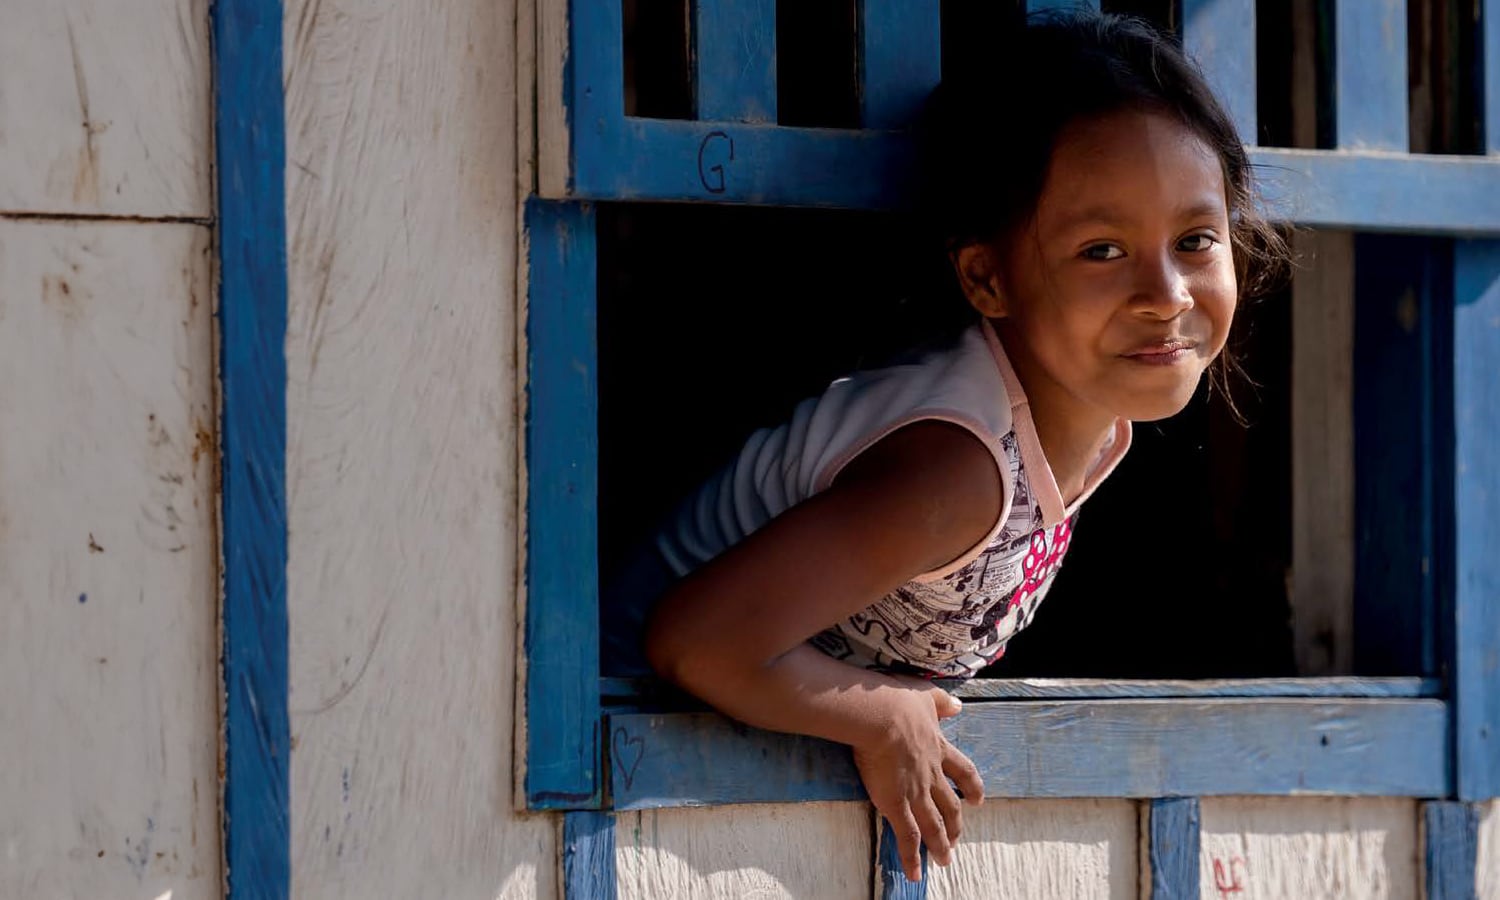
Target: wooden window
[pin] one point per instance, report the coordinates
(1355, 521)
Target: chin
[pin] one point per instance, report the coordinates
(1160, 407)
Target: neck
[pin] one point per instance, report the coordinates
(1070, 431)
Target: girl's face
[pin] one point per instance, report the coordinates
(1119, 293)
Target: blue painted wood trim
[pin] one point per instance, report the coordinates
(1370, 105)
(735, 43)
(1476, 506)
(1450, 850)
(1220, 35)
(980, 690)
(249, 141)
(588, 856)
(1397, 561)
(893, 883)
(1381, 192)
(1489, 48)
(1042, 5)
(1174, 847)
(562, 607)
(900, 60)
(1108, 748)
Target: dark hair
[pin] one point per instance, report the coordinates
(989, 129)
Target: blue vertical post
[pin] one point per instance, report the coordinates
(249, 127)
(1476, 520)
(1370, 104)
(1489, 49)
(736, 60)
(588, 856)
(900, 53)
(562, 585)
(1451, 850)
(1220, 35)
(1175, 844)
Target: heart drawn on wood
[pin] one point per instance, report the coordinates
(627, 752)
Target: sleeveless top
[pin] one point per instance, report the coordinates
(950, 622)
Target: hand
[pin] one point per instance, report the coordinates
(906, 770)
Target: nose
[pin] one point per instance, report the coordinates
(1161, 289)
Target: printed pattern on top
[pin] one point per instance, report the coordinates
(956, 625)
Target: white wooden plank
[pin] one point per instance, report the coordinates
(1309, 848)
(1487, 867)
(401, 453)
(1042, 850)
(105, 108)
(554, 141)
(1322, 583)
(108, 562)
(818, 850)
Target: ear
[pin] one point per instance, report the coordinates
(977, 266)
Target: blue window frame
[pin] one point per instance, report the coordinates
(594, 743)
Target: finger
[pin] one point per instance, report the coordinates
(943, 703)
(949, 807)
(934, 832)
(908, 842)
(964, 774)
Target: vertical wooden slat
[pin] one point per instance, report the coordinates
(1476, 492)
(1489, 48)
(562, 608)
(900, 46)
(588, 856)
(1450, 852)
(1174, 845)
(251, 147)
(736, 60)
(892, 883)
(1220, 35)
(1370, 74)
(1397, 312)
(1322, 587)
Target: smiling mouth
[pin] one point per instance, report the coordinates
(1162, 353)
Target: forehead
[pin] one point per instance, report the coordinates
(1130, 165)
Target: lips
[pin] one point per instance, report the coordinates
(1162, 353)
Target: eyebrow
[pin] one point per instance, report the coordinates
(1108, 215)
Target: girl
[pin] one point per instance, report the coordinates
(1097, 210)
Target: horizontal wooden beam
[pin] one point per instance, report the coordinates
(1092, 748)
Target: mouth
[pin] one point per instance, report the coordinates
(1162, 353)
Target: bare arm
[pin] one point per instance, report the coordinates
(734, 632)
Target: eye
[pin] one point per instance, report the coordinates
(1102, 252)
(1197, 243)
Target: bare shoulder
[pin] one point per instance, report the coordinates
(939, 477)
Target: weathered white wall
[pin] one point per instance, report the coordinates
(108, 544)
(1300, 848)
(1488, 865)
(1043, 850)
(401, 470)
(821, 850)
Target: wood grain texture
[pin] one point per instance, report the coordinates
(1309, 848)
(1370, 53)
(1220, 36)
(1107, 748)
(1450, 835)
(900, 60)
(1173, 847)
(735, 52)
(104, 108)
(1042, 850)
(401, 449)
(588, 856)
(108, 562)
(1487, 865)
(251, 167)
(891, 882)
(1476, 520)
(1322, 584)
(817, 850)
